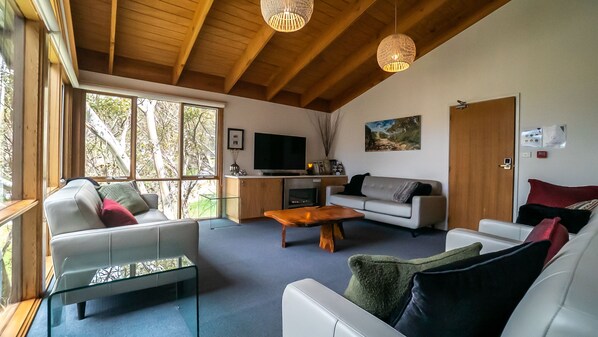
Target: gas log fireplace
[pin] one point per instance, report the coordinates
(301, 192)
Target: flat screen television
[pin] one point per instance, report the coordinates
(278, 152)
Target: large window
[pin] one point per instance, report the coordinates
(171, 148)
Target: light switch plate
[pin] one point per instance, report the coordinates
(526, 154)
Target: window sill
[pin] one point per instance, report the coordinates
(16, 209)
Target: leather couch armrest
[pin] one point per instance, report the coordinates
(311, 309)
(125, 244)
(430, 209)
(505, 229)
(461, 237)
(151, 199)
(330, 190)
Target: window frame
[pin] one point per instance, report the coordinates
(180, 178)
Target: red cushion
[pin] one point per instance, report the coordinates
(552, 230)
(114, 214)
(551, 195)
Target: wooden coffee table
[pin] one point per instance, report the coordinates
(329, 217)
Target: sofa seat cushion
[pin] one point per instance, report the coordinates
(352, 201)
(153, 215)
(388, 207)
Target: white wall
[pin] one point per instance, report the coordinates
(545, 51)
(240, 113)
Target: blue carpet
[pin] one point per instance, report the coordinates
(242, 273)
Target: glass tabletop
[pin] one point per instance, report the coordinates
(218, 197)
(79, 277)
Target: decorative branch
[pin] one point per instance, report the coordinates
(327, 125)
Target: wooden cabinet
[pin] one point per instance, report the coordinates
(256, 195)
(330, 181)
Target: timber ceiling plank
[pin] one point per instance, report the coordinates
(345, 20)
(262, 37)
(198, 19)
(112, 36)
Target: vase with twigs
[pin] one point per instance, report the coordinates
(327, 126)
(234, 167)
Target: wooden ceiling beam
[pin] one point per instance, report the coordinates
(345, 19)
(198, 19)
(406, 22)
(71, 35)
(251, 52)
(381, 75)
(112, 36)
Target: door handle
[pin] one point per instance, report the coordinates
(507, 164)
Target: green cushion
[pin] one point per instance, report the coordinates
(126, 195)
(379, 283)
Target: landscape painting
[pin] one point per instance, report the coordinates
(400, 134)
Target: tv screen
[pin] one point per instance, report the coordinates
(278, 152)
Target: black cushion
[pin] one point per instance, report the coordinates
(354, 186)
(472, 297)
(422, 189)
(572, 219)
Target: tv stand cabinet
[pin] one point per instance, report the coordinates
(258, 194)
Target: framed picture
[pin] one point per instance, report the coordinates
(235, 139)
(399, 134)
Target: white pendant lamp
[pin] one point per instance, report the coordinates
(287, 15)
(396, 52)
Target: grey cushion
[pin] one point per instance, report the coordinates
(75, 207)
(380, 283)
(153, 215)
(352, 201)
(405, 191)
(125, 194)
(388, 207)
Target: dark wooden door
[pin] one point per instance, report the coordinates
(482, 136)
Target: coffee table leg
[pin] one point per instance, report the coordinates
(339, 231)
(284, 236)
(327, 237)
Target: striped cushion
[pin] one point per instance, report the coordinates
(589, 205)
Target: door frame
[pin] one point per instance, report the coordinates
(516, 158)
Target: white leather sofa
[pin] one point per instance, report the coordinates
(80, 241)
(563, 301)
(378, 204)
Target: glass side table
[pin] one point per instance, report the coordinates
(178, 276)
(219, 206)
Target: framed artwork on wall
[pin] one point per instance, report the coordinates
(399, 134)
(235, 139)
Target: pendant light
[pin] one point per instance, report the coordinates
(287, 15)
(396, 52)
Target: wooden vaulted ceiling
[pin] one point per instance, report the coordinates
(225, 46)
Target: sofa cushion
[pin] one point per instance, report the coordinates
(379, 283)
(153, 215)
(351, 201)
(114, 214)
(75, 207)
(125, 194)
(472, 297)
(404, 191)
(589, 205)
(573, 219)
(388, 207)
(547, 194)
(553, 231)
(354, 186)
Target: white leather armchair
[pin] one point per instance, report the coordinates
(80, 241)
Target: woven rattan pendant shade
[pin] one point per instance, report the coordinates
(396, 53)
(287, 15)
